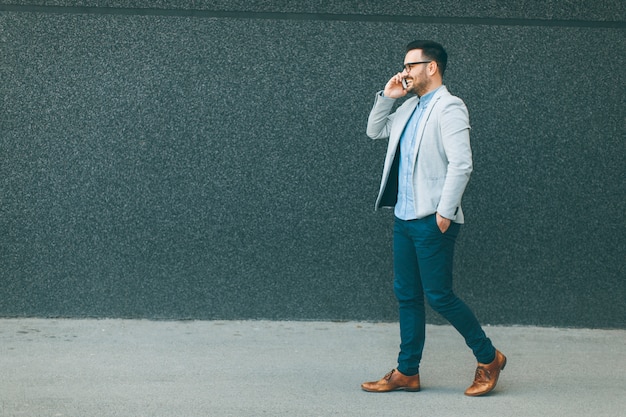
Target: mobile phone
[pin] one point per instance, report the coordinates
(404, 83)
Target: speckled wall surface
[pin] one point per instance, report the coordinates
(208, 160)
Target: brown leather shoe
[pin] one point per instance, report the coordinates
(486, 376)
(393, 381)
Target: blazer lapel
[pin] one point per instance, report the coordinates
(426, 116)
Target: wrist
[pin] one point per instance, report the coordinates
(442, 216)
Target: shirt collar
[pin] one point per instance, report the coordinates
(425, 99)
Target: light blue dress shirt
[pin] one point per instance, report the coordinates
(405, 207)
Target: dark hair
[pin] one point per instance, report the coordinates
(431, 50)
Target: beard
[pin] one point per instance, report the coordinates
(418, 84)
(416, 87)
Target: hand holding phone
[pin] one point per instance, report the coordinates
(396, 87)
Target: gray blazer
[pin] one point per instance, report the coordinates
(444, 157)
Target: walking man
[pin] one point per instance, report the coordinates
(426, 170)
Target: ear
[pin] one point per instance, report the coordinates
(432, 67)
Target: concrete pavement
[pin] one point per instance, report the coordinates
(133, 368)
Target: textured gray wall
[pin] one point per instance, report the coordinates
(196, 159)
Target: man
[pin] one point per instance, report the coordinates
(427, 168)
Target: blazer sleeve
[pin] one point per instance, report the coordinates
(380, 120)
(455, 129)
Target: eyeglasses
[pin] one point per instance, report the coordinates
(409, 65)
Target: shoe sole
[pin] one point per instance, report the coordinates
(393, 390)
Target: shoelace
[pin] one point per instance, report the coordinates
(388, 376)
(482, 373)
